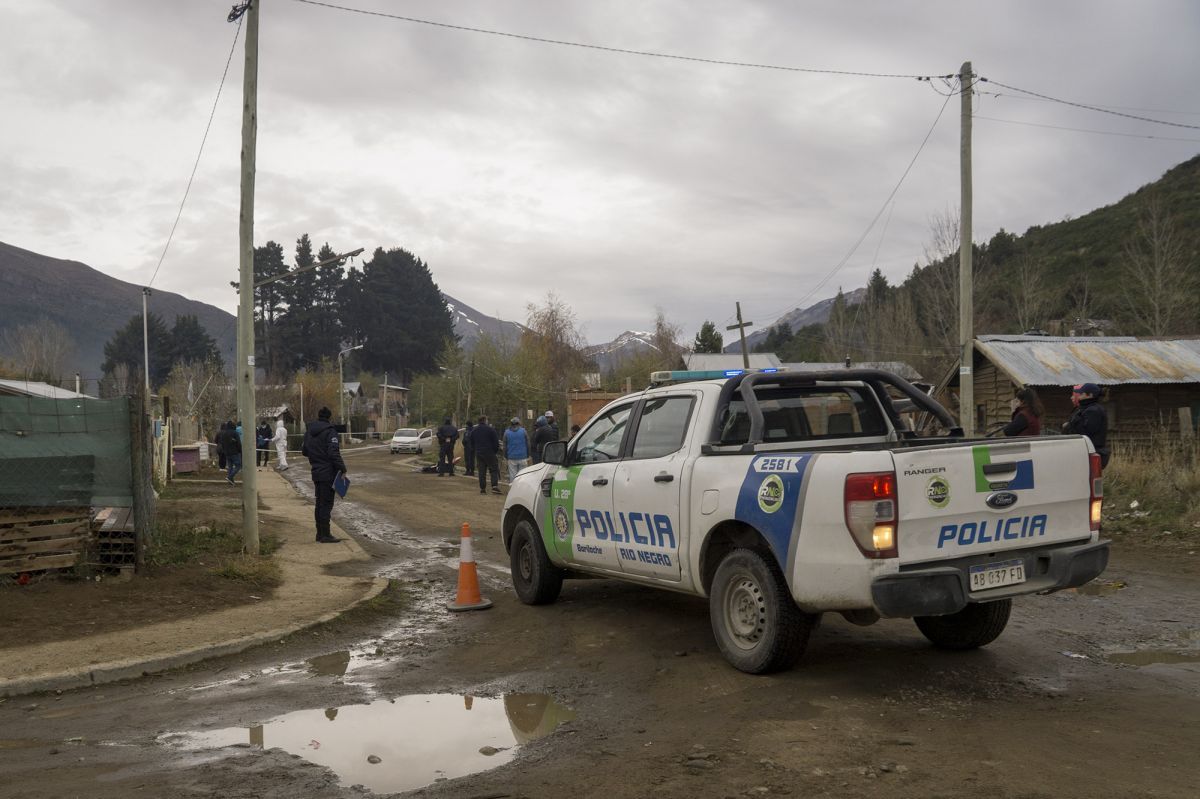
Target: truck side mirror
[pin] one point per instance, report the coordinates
(555, 453)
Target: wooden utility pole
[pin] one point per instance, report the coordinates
(146, 343)
(740, 327)
(966, 282)
(247, 413)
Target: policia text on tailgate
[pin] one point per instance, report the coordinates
(781, 496)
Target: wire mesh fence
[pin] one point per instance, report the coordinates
(68, 494)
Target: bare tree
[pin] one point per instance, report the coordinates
(1028, 294)
(554, 341)
(39, 350)
(666, 340)
(1159, 278)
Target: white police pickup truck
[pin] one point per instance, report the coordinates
(780, 496)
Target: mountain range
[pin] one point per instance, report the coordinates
(91, 306)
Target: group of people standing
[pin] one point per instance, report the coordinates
(229, 446)
(483, 446)
(1088, 417)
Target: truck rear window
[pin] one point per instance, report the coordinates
(805, 413)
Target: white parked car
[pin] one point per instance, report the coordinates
(408, 439)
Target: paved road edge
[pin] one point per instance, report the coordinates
(115, 671)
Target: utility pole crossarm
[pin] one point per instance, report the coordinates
(740, 327)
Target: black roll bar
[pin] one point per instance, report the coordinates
(745, 384)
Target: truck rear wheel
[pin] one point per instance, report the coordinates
(974, 626)
(758, 627)
(536, 580)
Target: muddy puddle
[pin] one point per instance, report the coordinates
(403, 743)
(1152, 657)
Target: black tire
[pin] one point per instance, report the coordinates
(758, 627)
(536, 580)
(974, 626)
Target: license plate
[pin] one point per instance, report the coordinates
(997, 575)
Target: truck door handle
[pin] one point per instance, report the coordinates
(600, 481)
(663, 478)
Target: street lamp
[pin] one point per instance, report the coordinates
(342, 384)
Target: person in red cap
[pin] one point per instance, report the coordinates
(1089, 418)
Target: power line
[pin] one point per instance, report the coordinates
(203, 140)
(1085, 130)
(1003, 96)
(619, 50)
(1096, 108)
(882, 208)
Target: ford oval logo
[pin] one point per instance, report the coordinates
(1001, 500)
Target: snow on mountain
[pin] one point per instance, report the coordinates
(626, 345)
(470, 324)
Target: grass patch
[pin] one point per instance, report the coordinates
(182, 541)
(260, 572)
(1152, 494)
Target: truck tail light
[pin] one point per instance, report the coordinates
(872, 515)
(1095, 489)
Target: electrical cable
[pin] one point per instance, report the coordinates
(618, 50)
(1003, 96)
(891, 195)
(1086, 130)
(1086, 106)
(203, 140)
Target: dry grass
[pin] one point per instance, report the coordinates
(1164, 480)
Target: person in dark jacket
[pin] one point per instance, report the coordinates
(487, 450)
(447, 434)
(468, 448)
(324, 452)
(230, 444)
(1089, 418)
(543, 435)
(262, 439)
(1027, 414)
(217, 445)
(535, 454)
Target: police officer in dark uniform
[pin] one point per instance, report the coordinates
(323, 450)
(1089, 419)
(447, 434)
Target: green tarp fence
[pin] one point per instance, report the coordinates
(64, 452)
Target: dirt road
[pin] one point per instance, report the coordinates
(619, 691)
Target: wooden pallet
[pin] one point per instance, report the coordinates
(37, 539)
(113, 538)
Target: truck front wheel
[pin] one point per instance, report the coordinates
(535, 578)
(974, 626)
(758, 627)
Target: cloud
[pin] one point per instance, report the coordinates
(622, 182)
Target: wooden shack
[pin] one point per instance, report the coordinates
(1151, 386)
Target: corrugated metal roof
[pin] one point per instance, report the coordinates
(1061, 361)
(896, 367)
(710, 361)
(26, 388)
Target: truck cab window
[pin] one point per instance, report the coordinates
(662, 427)
(601, 441)
(805, 414)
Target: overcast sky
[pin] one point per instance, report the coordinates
(622, 182)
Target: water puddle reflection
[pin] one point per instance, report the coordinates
(1152, 657)
(331, 665)
(403, 743)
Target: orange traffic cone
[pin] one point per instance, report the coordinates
(469, 597)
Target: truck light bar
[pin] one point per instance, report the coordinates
(684, 375)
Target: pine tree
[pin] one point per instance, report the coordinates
(190, 343)
(296, 326)
(401, 313)
(708, 339)
(125, 348)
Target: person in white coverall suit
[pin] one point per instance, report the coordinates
(280, 442)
